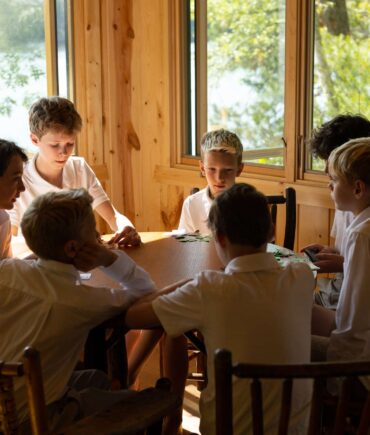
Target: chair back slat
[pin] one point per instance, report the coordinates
(290, 214)
(286, 406)
(363, 428)
(348, 405)
(8, 410)
(224, 398)
(257, 408)
(318, 389)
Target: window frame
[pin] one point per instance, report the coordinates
(299, 37)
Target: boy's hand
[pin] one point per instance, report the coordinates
(320, 249)
(127, 237)
(92, 255)
(329, 262)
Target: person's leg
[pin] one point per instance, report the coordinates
(176, 365)
(140, 352)
(323, 321)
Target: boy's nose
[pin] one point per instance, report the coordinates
(21, 187)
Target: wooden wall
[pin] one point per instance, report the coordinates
(126, 94)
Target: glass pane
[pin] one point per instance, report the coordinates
(62, 44)
(245, 74)
(22, 66)
(341, 61)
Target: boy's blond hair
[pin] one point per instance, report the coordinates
(351, 160)
(222, 141)
(55, 218)
(54, 114)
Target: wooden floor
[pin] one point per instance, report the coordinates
(150, 374)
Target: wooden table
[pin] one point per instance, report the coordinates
(168, 260)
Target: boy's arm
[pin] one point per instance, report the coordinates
(141, 314)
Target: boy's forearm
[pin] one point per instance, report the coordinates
(141, 316)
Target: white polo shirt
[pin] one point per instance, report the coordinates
(5, 235)
(342, 219)
(262, 314)
(43, 303)
(76, 173)
(351, 338)
(195, 211)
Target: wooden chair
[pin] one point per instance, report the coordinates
(319, 372)
(143, 413)
(30, 368)
(290, 214)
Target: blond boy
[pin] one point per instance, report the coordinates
(54, 125)
(221, 163)
(349, 172)
(45, 304)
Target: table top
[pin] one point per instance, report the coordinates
(168, 260)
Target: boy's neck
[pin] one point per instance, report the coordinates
(54, 177)
(233, 251)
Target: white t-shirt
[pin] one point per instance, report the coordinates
(5, 235)
(351, 338)
(76, 173)
(262, 314)
(194, 213)
(44, 304)
(342, 219)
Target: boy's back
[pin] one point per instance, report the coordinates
(257, 310)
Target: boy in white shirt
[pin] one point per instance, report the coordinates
(325, 139)
(220, 163)
(54, 124)
(45, 304)
(256, 309)
(11, 185)
(348, 168)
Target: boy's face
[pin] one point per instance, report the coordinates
(342, 192)
(88, 233)
(55, 148)
(220, 170)
(11, 184)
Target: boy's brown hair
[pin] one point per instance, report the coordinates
(54, 114)
(222, 141)
(351, 161)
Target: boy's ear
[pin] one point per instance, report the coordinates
(201, 167)
(71, 248)
(34, 139)
(359, 188)
(240, 168)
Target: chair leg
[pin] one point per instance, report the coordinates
(163, 384)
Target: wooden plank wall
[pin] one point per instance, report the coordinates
(124, 91)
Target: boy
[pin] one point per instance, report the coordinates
(54, 124)
(348, 168)
(256, 309)
(45, 304)
(324, 140)
(221, 163)
(11, 185)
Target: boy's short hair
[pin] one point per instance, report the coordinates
(9, 149)
(54, 114)
(351, 161)
(242, 214)
(222, 141)
(336, 132)
(55, 218)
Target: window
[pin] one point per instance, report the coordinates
(341, 81)
(236, 57)
(33, 61)
(272, 70)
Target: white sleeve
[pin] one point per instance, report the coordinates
(186, 221)
(181, 310)
(352, 332)
(131, 276)
(122, 221)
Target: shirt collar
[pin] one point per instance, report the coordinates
(359, 219)
(60, 268)
(252, 263)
